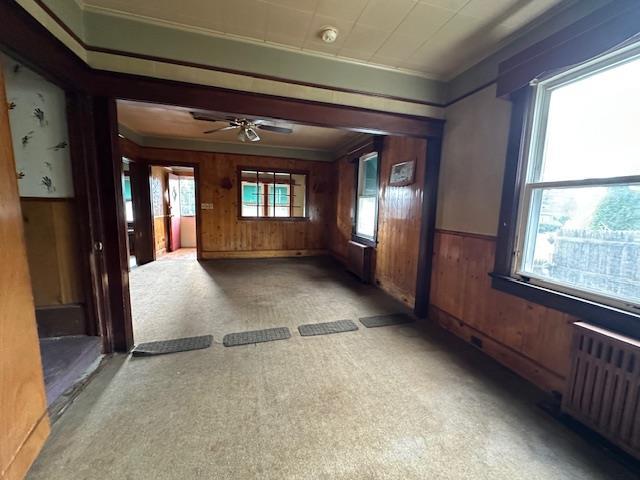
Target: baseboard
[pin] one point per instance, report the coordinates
(210, 255)
(61, 320)
(512, 359)
(29, 450)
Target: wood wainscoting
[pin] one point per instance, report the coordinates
(532, 340)
(51, 233)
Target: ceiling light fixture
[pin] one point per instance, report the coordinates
(328, 34)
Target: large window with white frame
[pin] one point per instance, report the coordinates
(579, 219)
(366, 218)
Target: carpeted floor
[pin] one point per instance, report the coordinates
(401, 402)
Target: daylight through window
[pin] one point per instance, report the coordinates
(579, 228)
(266, 194)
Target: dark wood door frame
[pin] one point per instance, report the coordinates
(95, 137)
(196, 179)
(427, 226)
(140, 173)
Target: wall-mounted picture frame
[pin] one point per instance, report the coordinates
(402, 174)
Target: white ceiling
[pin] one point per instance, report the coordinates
(434, 37)
(165, 121)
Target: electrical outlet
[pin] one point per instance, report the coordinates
(206, 206)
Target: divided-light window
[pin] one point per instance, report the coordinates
(272, 194)
(579, 220)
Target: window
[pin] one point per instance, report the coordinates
(128, 203)
(367, 197)
(270, 194)
(187, 196)
(579, 220)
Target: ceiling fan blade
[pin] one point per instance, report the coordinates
(274, 128)
(210, 117)
(221, 129)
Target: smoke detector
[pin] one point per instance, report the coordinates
(328, 34)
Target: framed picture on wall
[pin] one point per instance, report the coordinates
(402, 174)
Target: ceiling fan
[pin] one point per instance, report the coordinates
(247, 127)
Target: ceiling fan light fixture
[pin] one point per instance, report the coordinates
(241, 135)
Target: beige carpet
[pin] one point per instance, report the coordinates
(386, 403)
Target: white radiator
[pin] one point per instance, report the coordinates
(603, 388)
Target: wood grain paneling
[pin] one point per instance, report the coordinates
(24, 424)
(223, 233)
(341, 227)
(399, 217)
(399, 220)
(531, 339)
(51, 233)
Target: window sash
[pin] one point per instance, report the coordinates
(363, 195)
(269, 187)
(533, 155)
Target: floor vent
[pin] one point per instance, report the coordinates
(603, 388)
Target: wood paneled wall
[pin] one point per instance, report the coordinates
(530, 339)
(51, 233)
(399, 220)
(399, 217)
(24, 424)
(223, 234)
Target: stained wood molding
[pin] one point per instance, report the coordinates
(27, 40)
(263, 253)
(598, 32)
(61, 320)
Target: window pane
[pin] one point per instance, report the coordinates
(365, 225)
(592, 126)
(587, 238)
(369, 177)
(187, 197)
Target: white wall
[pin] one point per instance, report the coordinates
(40, 146)
(187, 232)
(472, 165)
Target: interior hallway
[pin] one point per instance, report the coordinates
(385, 403)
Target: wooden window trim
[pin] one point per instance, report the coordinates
(502, 279)
(370, 242)
(245, 218)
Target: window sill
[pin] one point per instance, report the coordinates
(364, 241)
(621, 321)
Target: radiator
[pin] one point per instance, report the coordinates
(603, 388)
(359, 260)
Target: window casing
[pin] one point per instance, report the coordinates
(366, 217)
(578, 226)
(268, 194)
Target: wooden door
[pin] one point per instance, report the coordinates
(24, 424)
(174, 212)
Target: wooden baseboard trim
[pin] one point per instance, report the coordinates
(210, 255)
(524, 366)
(28, 451)
(61, 320)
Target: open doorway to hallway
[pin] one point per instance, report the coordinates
(160, 211)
